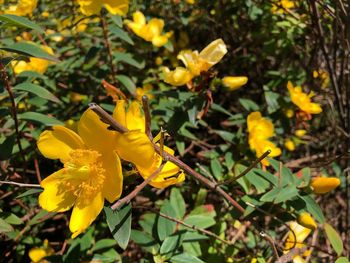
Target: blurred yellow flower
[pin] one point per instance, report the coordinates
(135, 143)
(195, 63)
(322, 185)
(301, 233)
(323, 76)
(92, 171)
(77, 97)
(145, 90)
(35, 64)
(37, 254)
(281, 6)
(158, 61)
(306, 220)
(23, 8)
(151, 31)
(289, 144)
(191, 2)
(300, 133)
(93, 7)
(303, 100)
(233, 83)
(260, 130)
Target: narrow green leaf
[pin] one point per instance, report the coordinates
(342, 260)
(216, 168)
(177, 202)
(120, 33)
(171, 243)
(11, 218)
(37, 90)
(20, 21)
(119, 223)
(145, 241)
(4, 226)
(201, 221)
(40, 118)
(334, 238)
(127, 83)
(104, 243)
(313, 208)
(185, 258)
(117, 19)
(29, 49)
(29, 192)
(248, 104)
(166, 227)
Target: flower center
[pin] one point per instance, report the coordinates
(84, 173)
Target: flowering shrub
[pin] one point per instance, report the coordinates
(176, 131)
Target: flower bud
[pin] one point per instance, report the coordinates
(289, 144)
(306, 220)
(233, 83)
(322, 185)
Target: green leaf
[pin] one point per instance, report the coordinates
(120, 33)
(334, 238)
(287, 193)
(171, 243)
(260, 183)
(40, 118)
(128, 58)
(109, 256)
(29, 192)
(104, 243)
(117, 19)
(36, 219)
(313, 208)
(119, 223)
(216, 168)
(20, 21)
(185, 258)
(201, 221)
(177, 202)
(127, 83)
(271, 100)
(4, 226)
(11, 218)
(248, 104)
(166, 227)
(7, 147)
(37, 90)
(29, 49)
(342, 260)
(145, 241)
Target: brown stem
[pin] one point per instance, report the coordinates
(108, 46)
(138, 188)
(21, 184)
(204, 231)
(13, 108)
(145, 106)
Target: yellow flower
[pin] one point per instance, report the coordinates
(77, 97)
(289, 144)
(322, 185)
(289, 113)
(300, 133)
(134, 121)
(281, 6)
(303, 100)
(233, 83)
(93, 7)
(301, 233)
(260, 130)
(145, 90)
(195, 63)
(323, 76)
(306, 220)
(191, 2)
(151, 31)
(23, 8)
(37, 254)
(92, 171)
(35, 64)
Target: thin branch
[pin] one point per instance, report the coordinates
(13, 108)
(138, 188)
(21, 184)
(192, 227)
(108, 46)
(262, 157)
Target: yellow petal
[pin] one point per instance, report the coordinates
(322, 185)
(134, 118)
(233, 83)
(178, 77)
(56, 197)
(95, 133)
(57, 144)
(119, 113)
(159, 41)
(135, 147)
(289, 144)
(36, 254)
(155, 27)
(139, 18)
(117, 7)
(84, 213)
(306, 220)
(214, 52)
(90, 7)
(113, 185)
